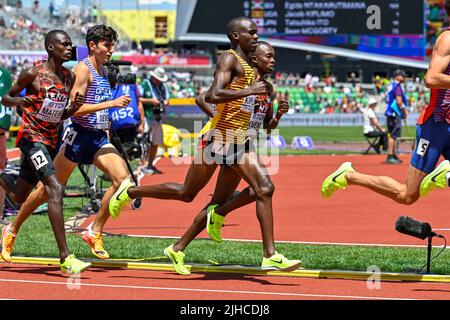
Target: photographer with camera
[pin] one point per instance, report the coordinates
(155, 98)
(127, 124)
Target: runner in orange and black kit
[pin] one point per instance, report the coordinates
(44, 107)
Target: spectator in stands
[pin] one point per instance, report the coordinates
(51, 8)
(434, 14)
(36, 7)
(155, 98)
(94, 14)
(378, 84)
(371, 126)
(395, 112)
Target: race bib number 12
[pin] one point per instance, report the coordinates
(39, 160)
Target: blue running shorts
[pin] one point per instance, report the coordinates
(82, 144)
(433, 140)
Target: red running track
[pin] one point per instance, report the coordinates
(42, 282)
(351, 216)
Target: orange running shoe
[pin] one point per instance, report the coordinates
(96, 244)
(7, 244)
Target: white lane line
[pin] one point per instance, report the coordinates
(293, 242)
(205, 290)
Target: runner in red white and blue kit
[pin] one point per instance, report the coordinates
(433, 141)
(433, 130)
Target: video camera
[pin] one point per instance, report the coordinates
(134, 150)
(114, 76)
(158, 110)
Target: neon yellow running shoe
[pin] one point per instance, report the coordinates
(177, 259)
(72, 265)
(7, 244)
(214, 223)
(336, 180)
(120, 199)
(280, 262)
(436, 179)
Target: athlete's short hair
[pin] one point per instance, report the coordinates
(235, 25)
(101, 32)
(50, 37)
(447, 7)
(263, 44)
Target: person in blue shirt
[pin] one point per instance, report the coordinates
(396, 104)
(126, 122)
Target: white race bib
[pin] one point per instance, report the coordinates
(249, 104)
(39, 160)
(102, 119)
(257, 120)
(422, 147)
(51, 111)
(69, 136)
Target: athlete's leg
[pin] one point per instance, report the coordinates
(256, 175)
(404, 193)
(18, 191)
(198, 175)
(430, 146)
(111, 163)
(55, 191)
(64, 169)
(226, 184)
(244, 198)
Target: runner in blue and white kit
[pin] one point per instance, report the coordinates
(85, 141)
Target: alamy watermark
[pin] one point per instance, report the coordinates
(374, 20)
(374, 280)
(230, 147)
(74, 282)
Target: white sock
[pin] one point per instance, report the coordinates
(448, 179)
(8, 232)
(89, 228)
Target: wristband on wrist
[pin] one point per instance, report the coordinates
(278, 117)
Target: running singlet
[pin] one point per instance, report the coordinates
(235, 116)
(98, 91)
(40, 122)
(439, 105)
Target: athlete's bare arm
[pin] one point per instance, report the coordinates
(440, 59)
(203, 105)
(25, 80)
(82, 80)
(74, 104)
(269, 121)
(225, 70)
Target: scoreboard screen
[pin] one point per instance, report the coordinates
(366, 25)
